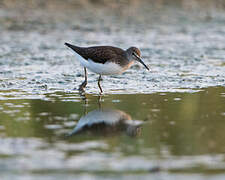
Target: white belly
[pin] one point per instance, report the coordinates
(99, 68)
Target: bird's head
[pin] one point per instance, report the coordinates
(134, 54)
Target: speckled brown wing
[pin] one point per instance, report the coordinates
(100, 54)
(103, 54)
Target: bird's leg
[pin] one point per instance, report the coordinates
(83, 85)
(99, 79)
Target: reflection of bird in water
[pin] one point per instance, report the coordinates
(106, 121)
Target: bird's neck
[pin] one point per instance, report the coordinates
(128, 65)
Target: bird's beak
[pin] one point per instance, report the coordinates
(139, 60)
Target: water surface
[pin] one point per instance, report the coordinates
(159, 135)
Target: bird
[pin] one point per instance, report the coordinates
(105, 60)
(107, 120)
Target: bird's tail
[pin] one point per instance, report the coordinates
(75, 48)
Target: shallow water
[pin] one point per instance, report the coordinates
(161, 135)
(164, 124)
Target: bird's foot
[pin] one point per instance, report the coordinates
(81, 89)
(101, 93)
(83, 95)
(82, 86)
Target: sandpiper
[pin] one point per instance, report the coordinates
(105, 60)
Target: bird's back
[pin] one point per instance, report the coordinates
(100, 54)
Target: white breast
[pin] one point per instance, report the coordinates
(99, 68)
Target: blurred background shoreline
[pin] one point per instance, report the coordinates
(112, 4)
(143, 12)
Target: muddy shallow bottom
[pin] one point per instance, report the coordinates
(119, 136)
